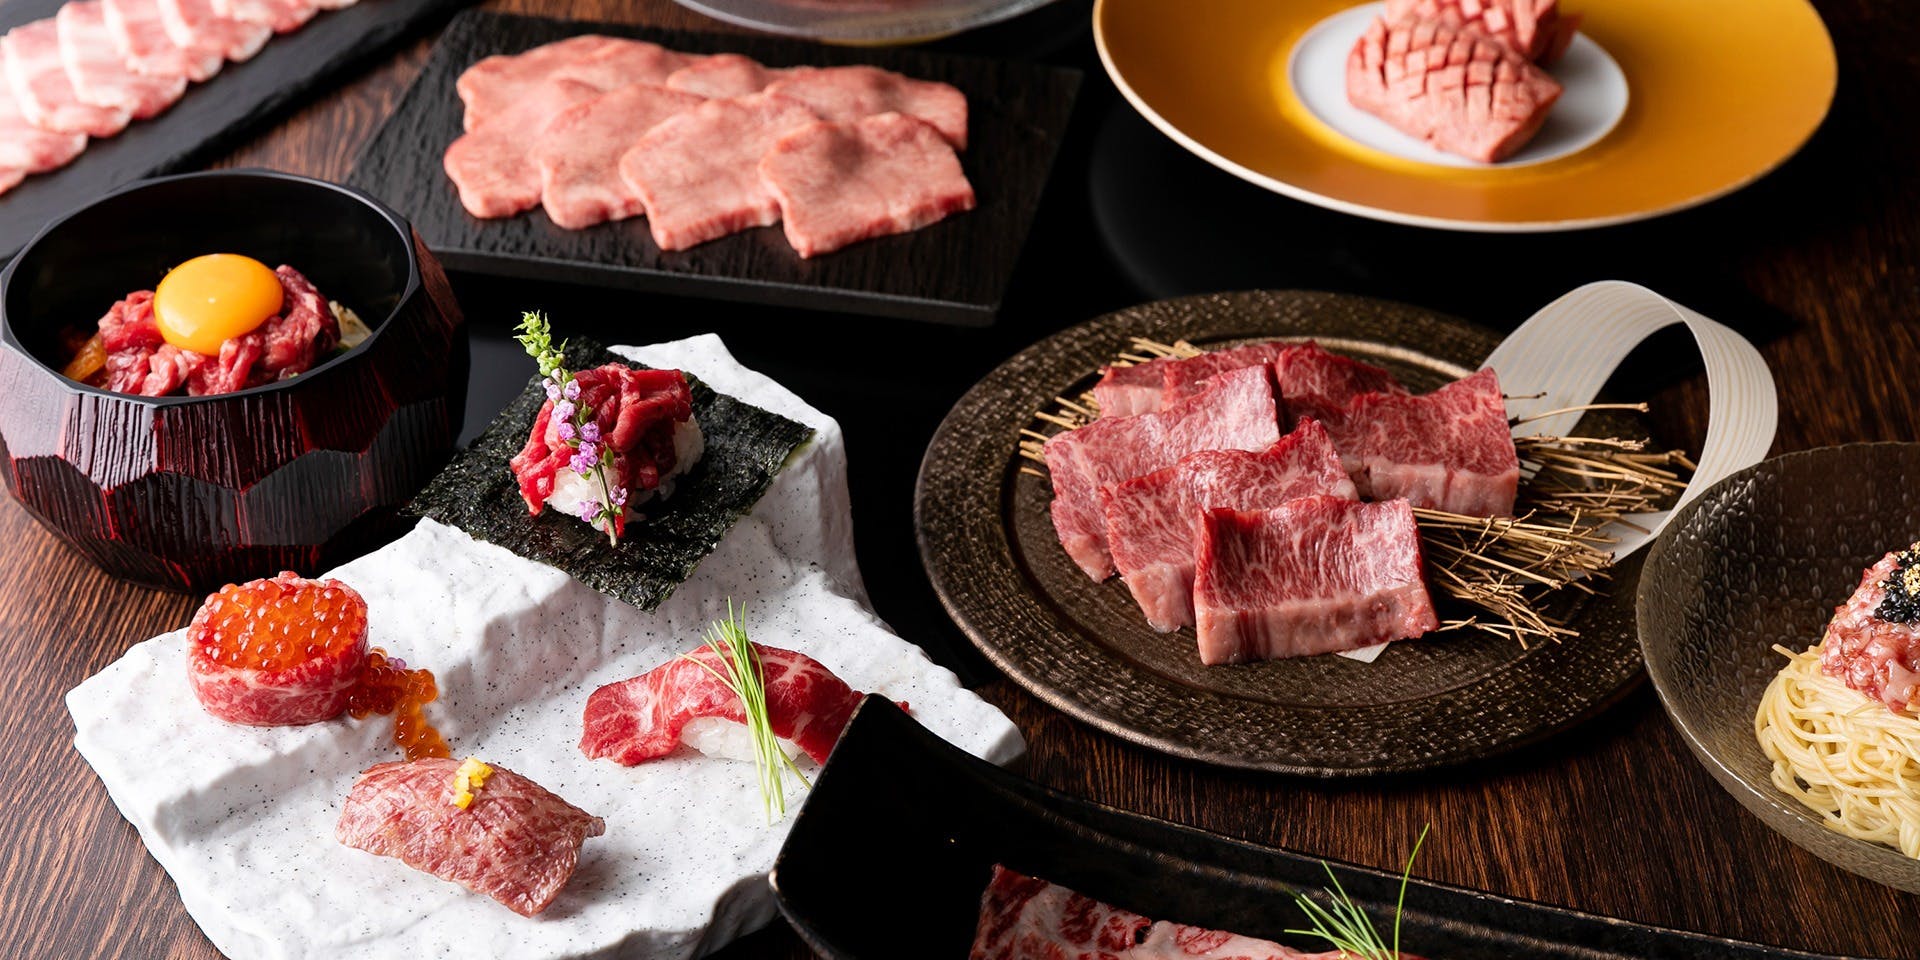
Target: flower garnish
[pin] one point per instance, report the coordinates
(743, 674)
(1347, 927)
(575, 425)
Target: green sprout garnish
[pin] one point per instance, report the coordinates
(727, 640)
(1345, 926)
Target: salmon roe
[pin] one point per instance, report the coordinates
(277, 623)
(387, 687)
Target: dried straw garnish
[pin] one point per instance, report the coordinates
(1573, 491)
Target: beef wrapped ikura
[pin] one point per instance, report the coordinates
(606, 440)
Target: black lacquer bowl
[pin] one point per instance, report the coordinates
(187, 493)
(897, 839)
(1762, 559)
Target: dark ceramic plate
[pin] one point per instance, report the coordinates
(955, 271)
(892, 850)
(215, 115)
(1763, 558)
(990, 549)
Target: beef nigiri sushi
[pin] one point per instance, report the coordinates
(687, 701)
(484, 827)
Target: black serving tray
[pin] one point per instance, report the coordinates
(955, 271)
(213, 116)
(890, 854)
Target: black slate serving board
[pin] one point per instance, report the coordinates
(214, 116)
(899, 835)
(955, 271)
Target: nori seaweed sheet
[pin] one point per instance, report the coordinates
(745, 447)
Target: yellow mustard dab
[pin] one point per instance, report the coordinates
(469, 778)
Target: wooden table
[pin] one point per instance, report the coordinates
(1820, 262)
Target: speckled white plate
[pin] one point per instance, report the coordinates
(243, 818)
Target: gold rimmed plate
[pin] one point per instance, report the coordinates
(991, 552)
(1669, 105)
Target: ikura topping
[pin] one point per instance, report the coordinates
(278, 651)
(467, 780)
(388, 687)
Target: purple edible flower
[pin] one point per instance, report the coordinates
(572, 390)
(590, 431)
(590, 510)
(582, 464)
(563, 410)
(590, 449)
(619, 496)
(564, 429)
(553, 390)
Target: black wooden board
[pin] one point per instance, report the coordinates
(955, 271)
(214, 116)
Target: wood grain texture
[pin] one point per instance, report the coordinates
(1821, 262)
(214, 115)
(953, 271)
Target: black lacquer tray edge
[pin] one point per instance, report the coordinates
(884, 754)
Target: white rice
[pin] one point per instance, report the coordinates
(571, 491)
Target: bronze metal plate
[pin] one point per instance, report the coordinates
(990, 550)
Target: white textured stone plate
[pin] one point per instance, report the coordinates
(243, 818)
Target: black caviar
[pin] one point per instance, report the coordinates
(1902, 586)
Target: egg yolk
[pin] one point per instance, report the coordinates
(205, 301)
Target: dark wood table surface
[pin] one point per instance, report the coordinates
(1820, 263)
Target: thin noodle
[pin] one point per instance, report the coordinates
(1845, 756)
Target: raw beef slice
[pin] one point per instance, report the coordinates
(579, 155)
(849, 93)
(1315, 575)
(698, 174)
(723, 75)
(41, 90)
(99, 74)
(842, 182)
(1235, 412)
(1454, 88)
(140, 36)
(1151, 520)
(1450, 450)
(492, 165)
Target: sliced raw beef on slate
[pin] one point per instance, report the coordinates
(99, 74)
(1129, 391)
(41, 89)
(1024, 918)
(515, 842)
(624, 62)
(1311, 379)
(26, 149)
(493, 86)
(1308, 376)
(1315, 575)
(698, 174)
(492, 166)
(640, 719)
(841, 182)
(192, 23)
(1235, 412)
(140, 35)
(724, 75)
(1453, 88)
(849, 93)
(1535, 29)
(1151, 520)
(280, 16)
(579, 155)
(1449, 450)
